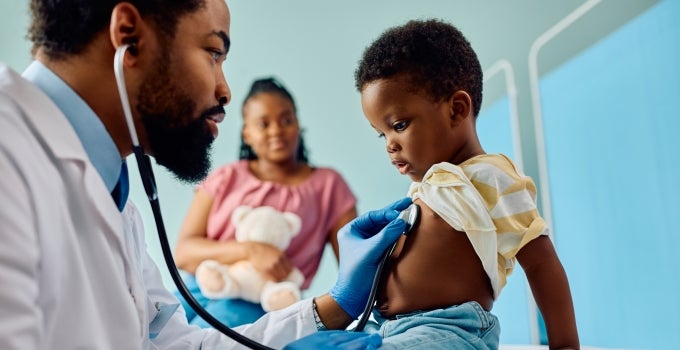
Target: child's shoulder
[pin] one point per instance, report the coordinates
(495, 171)
(491, 163)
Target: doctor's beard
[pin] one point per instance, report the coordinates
(178, 142)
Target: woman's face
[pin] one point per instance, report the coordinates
(270, 127)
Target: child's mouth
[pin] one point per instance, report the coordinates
(402, 167)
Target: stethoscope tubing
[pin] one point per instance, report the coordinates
(149, 182)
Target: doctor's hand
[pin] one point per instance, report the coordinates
(332, 340)
(362, 243)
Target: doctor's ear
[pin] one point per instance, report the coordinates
(126, 27)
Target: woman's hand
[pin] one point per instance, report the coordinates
(269, 260)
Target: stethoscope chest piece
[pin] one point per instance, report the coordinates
(410, 215)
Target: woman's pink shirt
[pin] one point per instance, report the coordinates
(319, 201)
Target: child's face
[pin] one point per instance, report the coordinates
(270, 127)
(418, 132)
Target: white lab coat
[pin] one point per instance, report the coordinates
(74, 271)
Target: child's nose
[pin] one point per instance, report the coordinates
(391, 146)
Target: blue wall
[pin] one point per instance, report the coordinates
(612, 134)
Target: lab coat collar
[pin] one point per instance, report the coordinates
(61, 141)
(92, 133)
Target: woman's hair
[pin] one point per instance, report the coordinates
(272, 86)
(67, 27)
(433, 55)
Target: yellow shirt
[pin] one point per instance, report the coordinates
(490, 200)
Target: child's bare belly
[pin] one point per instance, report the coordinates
(434, 267)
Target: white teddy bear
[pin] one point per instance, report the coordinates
(241, 279)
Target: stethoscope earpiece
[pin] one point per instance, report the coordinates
(122, 90)
(132, 49)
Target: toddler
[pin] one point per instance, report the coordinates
(421, 90)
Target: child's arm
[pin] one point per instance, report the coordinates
(550, 288)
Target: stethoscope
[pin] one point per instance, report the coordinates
(410, 215)
(149, 181)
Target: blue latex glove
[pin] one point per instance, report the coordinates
(331, 340)
(362, 243)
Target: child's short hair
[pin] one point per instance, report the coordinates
(433, 54)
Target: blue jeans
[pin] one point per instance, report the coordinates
(232, 312)
(465, 326)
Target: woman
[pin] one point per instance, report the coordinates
(273, 170)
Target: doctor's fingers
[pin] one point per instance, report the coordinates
(388, 235)
(373, 221)
(400, 204)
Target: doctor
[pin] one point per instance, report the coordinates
(73, 264)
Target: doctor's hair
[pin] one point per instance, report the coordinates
(434, 57)
(272, 86)
(67, 27)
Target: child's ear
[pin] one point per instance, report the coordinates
(460, 106)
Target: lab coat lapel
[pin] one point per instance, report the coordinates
(62, 141)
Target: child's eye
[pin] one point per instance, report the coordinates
(216, 54)
(381, 135)
(400, 125)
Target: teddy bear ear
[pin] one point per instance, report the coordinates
(294, 222)
(239, 213)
